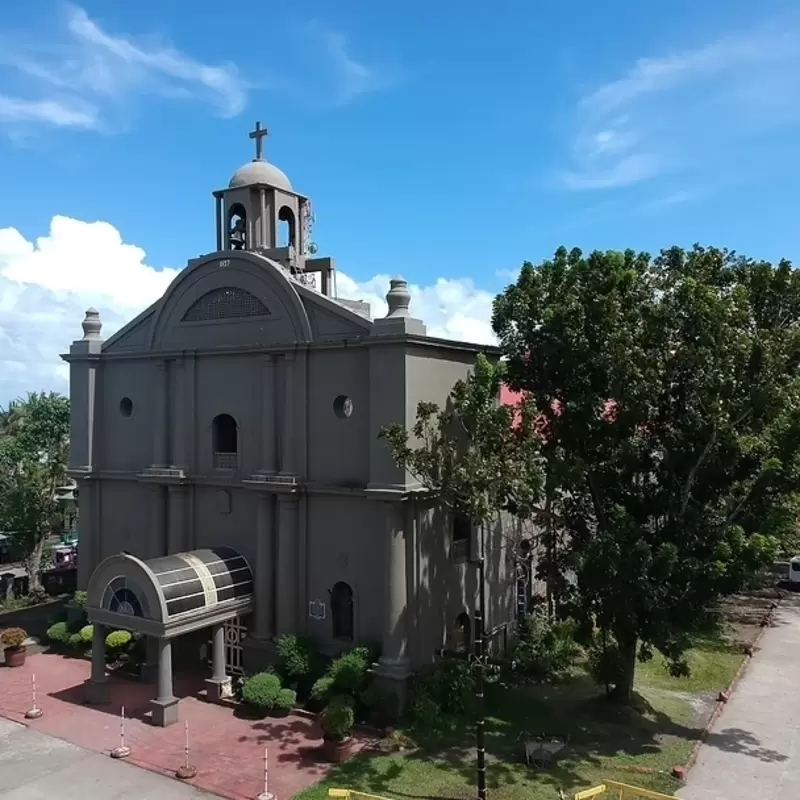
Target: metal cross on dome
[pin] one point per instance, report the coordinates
(258, 134)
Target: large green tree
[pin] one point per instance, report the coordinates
(34, 450)
(669, 389)
(472, 455)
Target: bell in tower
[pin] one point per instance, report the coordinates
(260, 211)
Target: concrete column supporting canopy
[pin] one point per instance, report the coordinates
(97, 688)
(218, 686)
(165, 705)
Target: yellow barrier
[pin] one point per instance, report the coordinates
(626, 792)
(346, 794)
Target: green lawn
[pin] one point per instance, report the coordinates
(603, 740)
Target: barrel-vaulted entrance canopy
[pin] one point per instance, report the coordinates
(172, 595)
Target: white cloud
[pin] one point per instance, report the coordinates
(83, 79)
(47, 284)
(345, 77)
(687, 109)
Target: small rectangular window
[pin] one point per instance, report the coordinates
(461, 535)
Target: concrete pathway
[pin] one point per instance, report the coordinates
(34, 766)
(753, 751)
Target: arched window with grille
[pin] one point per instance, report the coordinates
(462, 633)
(225, 442)
(342, 611)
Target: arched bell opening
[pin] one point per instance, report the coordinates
(237, 227)
(287, 228)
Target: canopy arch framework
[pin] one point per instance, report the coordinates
(163, 598)
(169, 596)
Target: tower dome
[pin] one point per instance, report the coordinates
(259, 171)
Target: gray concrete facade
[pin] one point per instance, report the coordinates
(243, 408)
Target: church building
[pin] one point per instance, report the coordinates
(232, 484)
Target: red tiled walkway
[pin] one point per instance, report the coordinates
(227, 751)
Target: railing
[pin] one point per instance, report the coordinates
(624, 791)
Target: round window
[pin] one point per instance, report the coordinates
(126, 406)
(343, 406)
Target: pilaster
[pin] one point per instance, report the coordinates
(177, 532)
(394, 662)
(268, 425)
(265, 567)
(286, 572)
(288, 466)
(158, 521)
(160, 397)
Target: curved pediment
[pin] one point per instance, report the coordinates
(241, 300)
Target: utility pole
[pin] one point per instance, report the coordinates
(480, 670)
(479, 659)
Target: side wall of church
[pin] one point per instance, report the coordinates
(446, 584)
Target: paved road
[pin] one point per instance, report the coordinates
(753, 752)
(38, 767)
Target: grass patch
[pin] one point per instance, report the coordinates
(604, 741)
(713, 663)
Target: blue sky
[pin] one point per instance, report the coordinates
(446, 142)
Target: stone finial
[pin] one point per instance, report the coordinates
(398, 298)
(91, 325)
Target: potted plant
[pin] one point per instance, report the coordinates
(13, 642)
(336, 721)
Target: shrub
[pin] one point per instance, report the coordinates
(75, 640)
(294, 654)
(78, 600)
(336, 719)
(285, 700)
(86, 633)
(116, 640)
(544, 650)
(605, 663)
(379, 702)
(299, 663)
(349, 672)
(449, 686)
(261, 691)
(59, 633)
(13, 637)
(322, 689)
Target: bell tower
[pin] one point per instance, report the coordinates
(260, 210)
(262, 213)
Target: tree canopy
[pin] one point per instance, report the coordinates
(34, 448)
(669, 388)
(471, 455)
